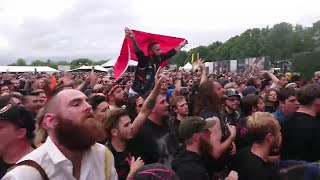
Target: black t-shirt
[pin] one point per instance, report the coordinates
(4, 167)
(300, 138)
(146, 70)
(146, 143)
(122, 162)
(189, 165)
(174, 142)
(251, 167)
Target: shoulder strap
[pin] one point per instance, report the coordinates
(34, 165)
(108, 163)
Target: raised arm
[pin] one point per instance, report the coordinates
(178, 83)
(215, 138)
(272, 76)
(181, 45)
(203, 71)
(130, 34)
(148, 104)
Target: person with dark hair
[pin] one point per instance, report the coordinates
(99, 107)
(134, 106)
(115, 95)
(16, 135)
(120, 131)
(33, 101)
(148, 64)
(4, 89)
(278, 82)
(288, 104)
(209, 104)
(209, 99)
(250, 104)
(271, 100)
(253, 163)
(13, 99)
(300, 131)
(255, 82)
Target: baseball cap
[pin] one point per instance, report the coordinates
(19, 116)
(192, 125)
(169, 92)
(231, 92)
(249, 90)
(184, 91)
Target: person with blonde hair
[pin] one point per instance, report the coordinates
(253, 162)
(231, 85)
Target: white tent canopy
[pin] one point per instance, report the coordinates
(112, 62)
(188, 66)
(21, 69)
(98, 68)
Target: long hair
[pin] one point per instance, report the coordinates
(132, 107)
(207, 99)
(266, 97)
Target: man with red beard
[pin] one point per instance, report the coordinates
(196, 135)
(71, 151)
(116, 96)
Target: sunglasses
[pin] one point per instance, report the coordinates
(233, 99)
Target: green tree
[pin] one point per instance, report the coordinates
(179, 59)
(99, 62)
(21, 62)
(316, 33)
(80, 62)
(63, 63)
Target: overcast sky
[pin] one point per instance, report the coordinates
(69, 29)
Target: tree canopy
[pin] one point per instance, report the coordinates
(54, 64)
(280, 42)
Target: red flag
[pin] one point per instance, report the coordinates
(143, 40)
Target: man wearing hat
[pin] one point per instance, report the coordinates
(249, 90)
(16, 135)
(195, 133)
(230, 113)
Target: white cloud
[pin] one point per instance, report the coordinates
(81, 28)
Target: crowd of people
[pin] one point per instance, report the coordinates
(159, 124)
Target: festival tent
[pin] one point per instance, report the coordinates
(188, 66)
(112, 62)
(88, 68)
(23, 69)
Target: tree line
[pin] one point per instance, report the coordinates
(279, 42)
(54, 64)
